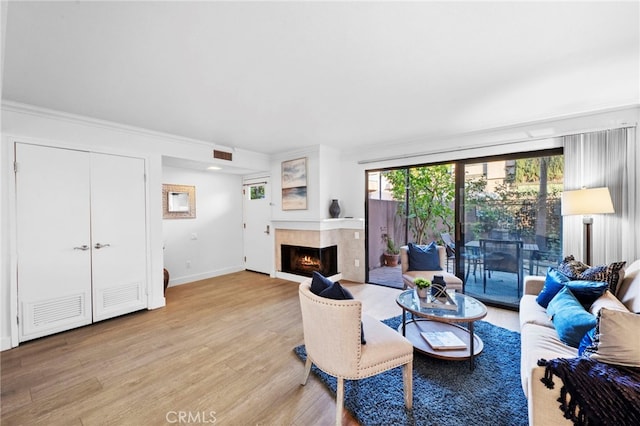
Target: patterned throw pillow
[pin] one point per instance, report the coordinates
(607, 273)
(571, 267)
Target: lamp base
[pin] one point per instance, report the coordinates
(587, 221)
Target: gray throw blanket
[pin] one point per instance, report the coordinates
(595, 393)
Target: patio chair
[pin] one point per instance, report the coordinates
(502, 256)
(450, 247)
(332, 338)
(473, 259)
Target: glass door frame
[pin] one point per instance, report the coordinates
(459, 219)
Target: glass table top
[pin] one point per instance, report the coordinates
(468, 308)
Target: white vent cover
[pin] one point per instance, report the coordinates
(117, 296)
(53, 311)
(43, 317)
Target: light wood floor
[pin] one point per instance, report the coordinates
(220, 352)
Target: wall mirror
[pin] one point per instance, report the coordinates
(178, 201)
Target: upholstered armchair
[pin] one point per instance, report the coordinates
(332, 337)
(411, 271)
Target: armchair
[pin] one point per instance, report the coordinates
(332, 337)
(409, 273)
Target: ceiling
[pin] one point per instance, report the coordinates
(272, 77)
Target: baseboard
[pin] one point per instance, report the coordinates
(5, 343)
(186, 279)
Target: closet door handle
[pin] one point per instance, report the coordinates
(83, 247)
(99, 246)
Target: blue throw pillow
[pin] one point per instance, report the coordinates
(553, 283)
(569, 317)
(587, 291)
(337, 292)
(424, 258)
(319, 283)
(587, 340)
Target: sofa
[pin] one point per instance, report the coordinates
(540, 340)
(410, 273)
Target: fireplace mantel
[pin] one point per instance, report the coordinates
(319, 225)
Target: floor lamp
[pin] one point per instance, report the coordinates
(587, 201)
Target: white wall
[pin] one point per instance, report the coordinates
(212, 241)
(4, 241)
(324, 183)
(30, 124)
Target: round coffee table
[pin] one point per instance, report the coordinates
(428, 319)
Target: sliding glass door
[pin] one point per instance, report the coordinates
(500, 218)
(407, 205)
(509, 224)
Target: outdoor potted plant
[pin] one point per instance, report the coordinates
(392, 252)
(423, 286)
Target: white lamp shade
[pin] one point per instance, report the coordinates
(587, 201)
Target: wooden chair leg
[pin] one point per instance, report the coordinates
(407, 380)
(307, 370)
(339, 400)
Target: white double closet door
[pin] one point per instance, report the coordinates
(81, 238)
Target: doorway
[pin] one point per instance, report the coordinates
(257, 234)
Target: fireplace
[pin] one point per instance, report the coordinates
(303, 261)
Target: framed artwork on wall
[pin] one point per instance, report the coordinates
(294, 184)
(178, 201)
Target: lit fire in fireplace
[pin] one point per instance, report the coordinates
(309, 262)
(305, 260)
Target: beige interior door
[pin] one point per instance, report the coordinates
(53, 240)
(118, 236)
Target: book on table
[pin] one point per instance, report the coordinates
(443, 340)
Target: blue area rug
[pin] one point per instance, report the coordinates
(444, 392)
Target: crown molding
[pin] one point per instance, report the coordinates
(28, 109)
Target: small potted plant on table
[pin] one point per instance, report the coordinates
(423, 286)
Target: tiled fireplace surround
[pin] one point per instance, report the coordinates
(347, 234)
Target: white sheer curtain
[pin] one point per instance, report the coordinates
(607, 158)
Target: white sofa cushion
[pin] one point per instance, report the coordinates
(609, 301)
(532, 313)
(540, 342)
(629, 289)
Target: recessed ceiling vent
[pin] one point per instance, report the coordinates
(222, 155)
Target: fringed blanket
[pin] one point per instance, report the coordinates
(595, 393)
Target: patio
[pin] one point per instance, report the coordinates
(502, 287)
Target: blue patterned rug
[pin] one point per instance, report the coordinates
(444, 392)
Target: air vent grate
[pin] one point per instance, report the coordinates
(114, 297)
(53, 311)
(222, 155)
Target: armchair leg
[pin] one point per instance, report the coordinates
(407, 379)
(339, 400)
(307, 370)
